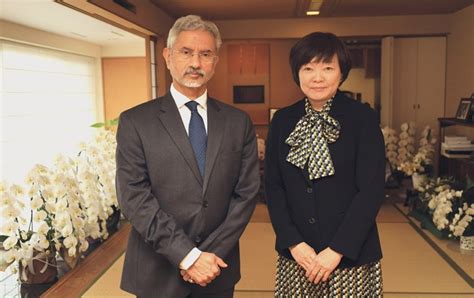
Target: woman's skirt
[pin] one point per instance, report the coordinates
(361, 281)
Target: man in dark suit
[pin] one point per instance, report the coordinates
(187, 177)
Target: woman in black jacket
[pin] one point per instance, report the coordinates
(324, 178)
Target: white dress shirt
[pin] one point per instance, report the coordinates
(185, 113)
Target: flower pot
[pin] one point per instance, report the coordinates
(71, 262)
(93, 244)
(466, 243)
(418, 179)
(40, 269)
(113, 221)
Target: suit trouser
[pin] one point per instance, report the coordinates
(229, 293)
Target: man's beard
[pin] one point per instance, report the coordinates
(193, 83)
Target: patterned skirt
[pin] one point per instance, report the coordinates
(361, 281)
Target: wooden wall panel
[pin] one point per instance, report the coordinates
(284, 90)
(248, 58)
(125, 84)
(234, 61)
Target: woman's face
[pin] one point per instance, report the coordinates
(319, 80)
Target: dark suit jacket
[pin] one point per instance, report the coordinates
(337, 211)
(170, 206)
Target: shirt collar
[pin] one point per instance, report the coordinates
(180, 99)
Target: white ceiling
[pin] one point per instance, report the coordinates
(49, 16)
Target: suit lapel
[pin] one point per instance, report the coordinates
(215, 133)
(171, 119)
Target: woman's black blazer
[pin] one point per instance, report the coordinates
(337, 211)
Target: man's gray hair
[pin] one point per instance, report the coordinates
(191, 23)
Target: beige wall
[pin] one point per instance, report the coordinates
(360, 26)
(358, 83)
(460, 63)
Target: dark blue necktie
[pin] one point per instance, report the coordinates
(197, 135)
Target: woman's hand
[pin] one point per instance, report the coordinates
(323, 265)
(303, 255)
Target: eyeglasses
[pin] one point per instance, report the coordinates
(186, 55)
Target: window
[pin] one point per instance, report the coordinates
(48, 102)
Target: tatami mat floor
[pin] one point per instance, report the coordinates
(411, 266)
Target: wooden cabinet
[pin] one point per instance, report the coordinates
(455, 167)
(419, 80)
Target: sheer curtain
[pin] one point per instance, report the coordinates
(48, 102)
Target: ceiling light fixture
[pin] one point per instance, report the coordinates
(314, 7)
(312, 13)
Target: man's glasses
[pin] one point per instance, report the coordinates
(187, 55)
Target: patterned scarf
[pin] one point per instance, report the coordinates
(309, 141)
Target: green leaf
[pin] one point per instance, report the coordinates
(111, 122)
(3, 238)
(98, 124)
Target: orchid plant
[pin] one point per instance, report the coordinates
(67, 204)
(451, 209)
(422, 161)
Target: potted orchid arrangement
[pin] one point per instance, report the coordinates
(96, 173)
(447, 210)
(420, 165)
(406, 142)
(462, 224)
(10, 233)
(31, 249)
(58, 211)
(56, 222)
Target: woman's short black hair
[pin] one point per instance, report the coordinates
(320, 46)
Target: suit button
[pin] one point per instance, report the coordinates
(311, 220)
(205, 204)
(309, 190)
(197, 239)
